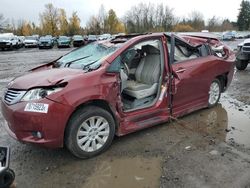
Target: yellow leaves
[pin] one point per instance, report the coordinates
(112, 23)
(26, 29)
(63, 22)
(120, 28)
(74, 24)
(183, 28)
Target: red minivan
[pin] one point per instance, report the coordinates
(116, 87)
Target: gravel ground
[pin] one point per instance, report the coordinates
(208, 148)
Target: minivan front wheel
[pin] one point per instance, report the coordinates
(90, 131)
(214, 93)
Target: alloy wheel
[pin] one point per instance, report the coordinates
(93, 133)
(214, 93)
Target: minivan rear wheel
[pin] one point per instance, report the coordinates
(90, 131)
(214, 93)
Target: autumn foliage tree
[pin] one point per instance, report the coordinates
(49, 20)
(183, 28)
(112, 23)
(63, 22)
(74, 24)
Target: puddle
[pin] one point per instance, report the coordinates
(228, 121)
(126, 172)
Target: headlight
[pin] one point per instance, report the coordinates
(39, 93)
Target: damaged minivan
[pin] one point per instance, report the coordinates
(115, 87)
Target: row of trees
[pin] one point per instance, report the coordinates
(140, 18)
(150, 17)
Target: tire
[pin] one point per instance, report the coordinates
(241, 64)
(84, 136)
(214, 93)
(7, 178)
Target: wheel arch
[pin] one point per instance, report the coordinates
(223, 80)
(98, 103)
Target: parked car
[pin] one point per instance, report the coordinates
(21, 41)
(78, 40)
(63, 41)
(105, 36)
(30, 41)
(116, 87)
(92, 38)
(228, 35)
(46, 42)
(8, 41)
(243, 55)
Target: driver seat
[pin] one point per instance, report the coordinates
(147, 75)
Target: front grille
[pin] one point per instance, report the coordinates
(247, 44)
(246, 49)
(13, 96)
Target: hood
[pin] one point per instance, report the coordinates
(45, 40)
(5, 40)
(30, 40)
(44, 78)
(247, 41)
(63, 40)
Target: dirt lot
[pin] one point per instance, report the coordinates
(208, 148)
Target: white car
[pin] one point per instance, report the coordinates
(8, 41)
(30, 41)
(243, 55)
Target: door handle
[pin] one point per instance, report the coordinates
(181, 70)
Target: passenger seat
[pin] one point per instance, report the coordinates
(147, 74)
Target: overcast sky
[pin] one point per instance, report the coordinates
(30, 9)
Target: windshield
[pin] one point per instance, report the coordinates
(77, 37)
(91, 54)
(92, 37)
(44, 39)
(63, 38)
(4, 38)
(30, 38)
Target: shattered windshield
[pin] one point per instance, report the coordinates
(89, 56)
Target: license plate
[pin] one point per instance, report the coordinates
(37, 107)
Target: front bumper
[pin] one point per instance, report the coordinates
(5, 45)
(78, 43)
(45, 45)
(63, 44)
(30, 45)
(243, 56)
(21, 124)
